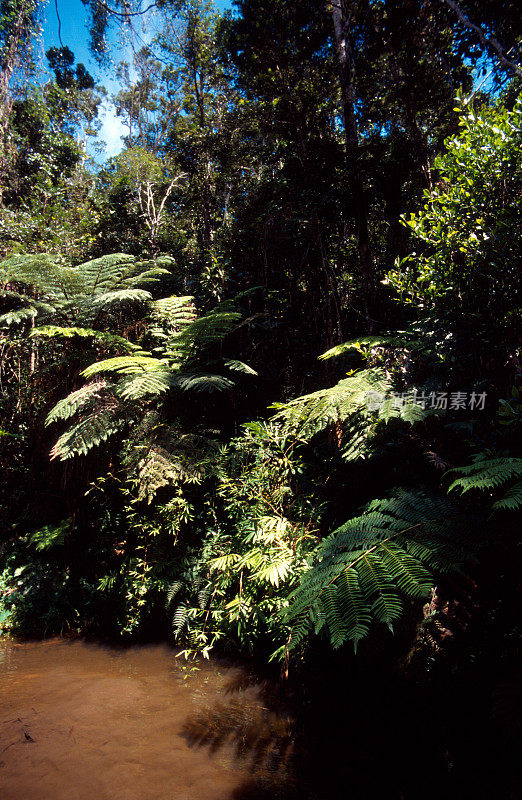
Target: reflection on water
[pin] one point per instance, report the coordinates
(82, 721)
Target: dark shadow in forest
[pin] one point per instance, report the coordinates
(260, 738)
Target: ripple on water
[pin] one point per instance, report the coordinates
(82, 721)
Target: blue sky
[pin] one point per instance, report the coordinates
(74, 20)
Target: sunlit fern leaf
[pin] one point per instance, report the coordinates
(407, 409)
(125, 365)
(160, 467)
(412, 412)
(359, 433)
(88, 433)
(402, 339)
(204, 596)
(210, 328)
(240, 366)
(55, 331)
(145, 272)
(202, 382)
(51, 535)
(18, 316)
(144, 384)
(104, 273)
(173, 591)
(74, 402)
(121, 296)
(82, 289)
(179, 620)
(312, 413)
(176, 311)
(25, 268)
(17, 301)
(486, 474)
(159, 455)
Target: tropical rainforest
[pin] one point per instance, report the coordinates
(260, 380)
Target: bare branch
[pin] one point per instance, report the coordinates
(493, 44)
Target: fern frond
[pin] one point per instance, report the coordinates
(211, 328)
(486, 474)
(367, 566)
(313, 412)
(51, 535)
(125, 365)
(397, 339)
(512, 500)
(176, 311)
(89, 432)
(179, 619)
(74, 402)
(161, 455)
(202, 382)
(53, 331)
(104, 273)
(173, 591)
(144, 384)
(17, 316)
(119, 296)
(240, 366)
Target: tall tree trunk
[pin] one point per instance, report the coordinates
(17, 33)
(357, 198)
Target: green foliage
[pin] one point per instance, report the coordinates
(158, 455)
(352, 409)
(51, 535)
(470, 224)
(257, 539)
(91, 430)
(36, 596)
(490, 474)
(366, 344)
(74, 402)
(366, 568)
(134, 379)
(80, 294)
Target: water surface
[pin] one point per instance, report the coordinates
(80, 721)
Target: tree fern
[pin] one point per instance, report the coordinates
(158, 455)
(88, 432)
(111, 339)
(491, 474)
(79, 293)
(174, 364)
(75, 401)
(353, 407)
(364, 569)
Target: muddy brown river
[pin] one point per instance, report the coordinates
(81, 721)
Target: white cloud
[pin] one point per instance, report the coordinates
(112, 129)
